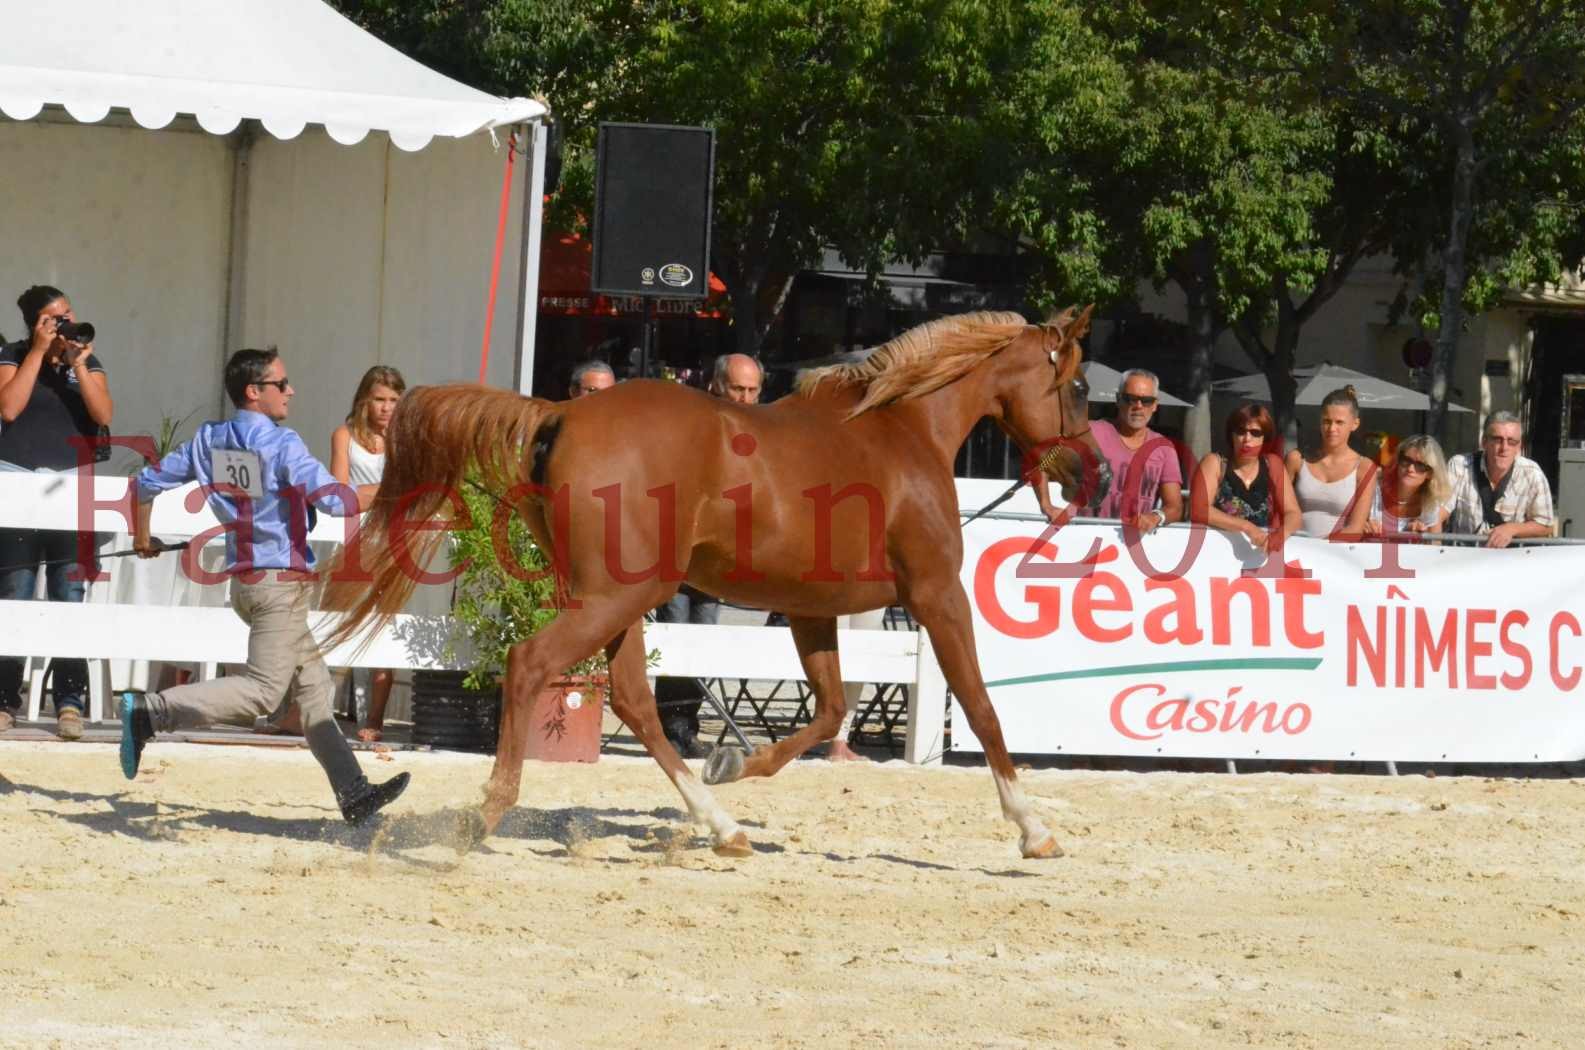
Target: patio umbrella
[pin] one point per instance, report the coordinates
(1104, 382)
(1316, 381)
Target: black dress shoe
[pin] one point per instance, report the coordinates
(358, 808)
(689, 746)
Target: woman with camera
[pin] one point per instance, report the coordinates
(52, 390)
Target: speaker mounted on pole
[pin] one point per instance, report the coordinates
(652, 204)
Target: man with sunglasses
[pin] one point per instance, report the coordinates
(1497, 493)
(263, 484)
(1140, 479)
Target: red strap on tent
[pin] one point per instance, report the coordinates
(495, 263)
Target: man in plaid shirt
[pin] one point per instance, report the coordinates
(1497, 493)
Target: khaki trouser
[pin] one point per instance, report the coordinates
(284, 666)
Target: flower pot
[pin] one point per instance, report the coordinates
(565, 724)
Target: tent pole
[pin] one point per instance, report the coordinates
(528, 259)
(236, 249)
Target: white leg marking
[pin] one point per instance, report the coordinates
(705, 809)
(1016, 808)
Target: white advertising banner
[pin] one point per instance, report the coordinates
(1188, 643)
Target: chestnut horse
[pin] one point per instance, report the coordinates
(837, 500)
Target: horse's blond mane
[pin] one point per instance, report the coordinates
(921, 360)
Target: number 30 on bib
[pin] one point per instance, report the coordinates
(229, 466)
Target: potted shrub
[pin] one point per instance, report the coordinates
(494, 607)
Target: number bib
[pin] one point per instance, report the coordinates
(230, 466)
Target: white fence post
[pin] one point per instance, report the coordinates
(927, 708)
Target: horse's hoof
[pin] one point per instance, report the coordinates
(724, 765)
(472, 830)
(736, 846)
(1045, 850)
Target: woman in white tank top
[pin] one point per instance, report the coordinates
(1334, 485)
(357, 458)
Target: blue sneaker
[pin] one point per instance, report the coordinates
(136, 730)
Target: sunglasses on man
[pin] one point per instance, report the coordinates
(280, 384)
(1135, 399)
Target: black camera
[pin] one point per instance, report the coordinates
(76, 331)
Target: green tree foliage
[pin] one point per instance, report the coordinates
(1486, 101)
(1146, 163)
(845, 123)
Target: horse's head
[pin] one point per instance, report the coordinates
(1045, 407)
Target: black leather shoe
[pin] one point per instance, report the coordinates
(372, 798)
(689, 746)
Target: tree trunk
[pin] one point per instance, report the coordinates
(1454, 268)
(745, 319)
(745, 287)
(1279, 373)
(1202, 349)
(742, 291)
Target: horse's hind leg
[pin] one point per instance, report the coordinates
(816, 638)
(944, 612)
(634, 704)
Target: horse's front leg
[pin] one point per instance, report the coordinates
(816, 638)
(634, 704)
(943, 611)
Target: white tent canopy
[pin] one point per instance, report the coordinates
(285, 63)
(245, 211)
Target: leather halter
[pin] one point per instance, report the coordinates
(1062, 424)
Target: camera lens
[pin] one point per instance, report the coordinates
(76, 331)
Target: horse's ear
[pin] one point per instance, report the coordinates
(1081, 324)
(1060, 321)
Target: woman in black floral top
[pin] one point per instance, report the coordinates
(1252, 494)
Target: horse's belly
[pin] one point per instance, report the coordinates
(794, 595)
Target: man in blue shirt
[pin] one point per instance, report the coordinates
(261, 482)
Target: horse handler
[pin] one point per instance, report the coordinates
(256, 472)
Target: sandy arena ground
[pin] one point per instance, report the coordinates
(219, 902)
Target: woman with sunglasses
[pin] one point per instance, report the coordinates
(1416, 495)
(1334, 483)
(1251, 493)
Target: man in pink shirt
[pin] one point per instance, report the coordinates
(1139, 481)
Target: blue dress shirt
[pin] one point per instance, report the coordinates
(291, 482)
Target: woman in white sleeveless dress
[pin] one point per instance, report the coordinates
(357, 458)
(1334, 484)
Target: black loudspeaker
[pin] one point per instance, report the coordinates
(652, 201)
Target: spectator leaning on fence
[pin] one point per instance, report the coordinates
(1139, 482)
(52, 390)
(1415, 494)
(1249, 490)
(1497, 493)
(251, 463)
(1334, 484)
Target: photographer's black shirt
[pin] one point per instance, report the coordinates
(41, 435)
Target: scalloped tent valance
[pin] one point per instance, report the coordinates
(284, 63)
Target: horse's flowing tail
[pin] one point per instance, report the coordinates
(438, 436)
